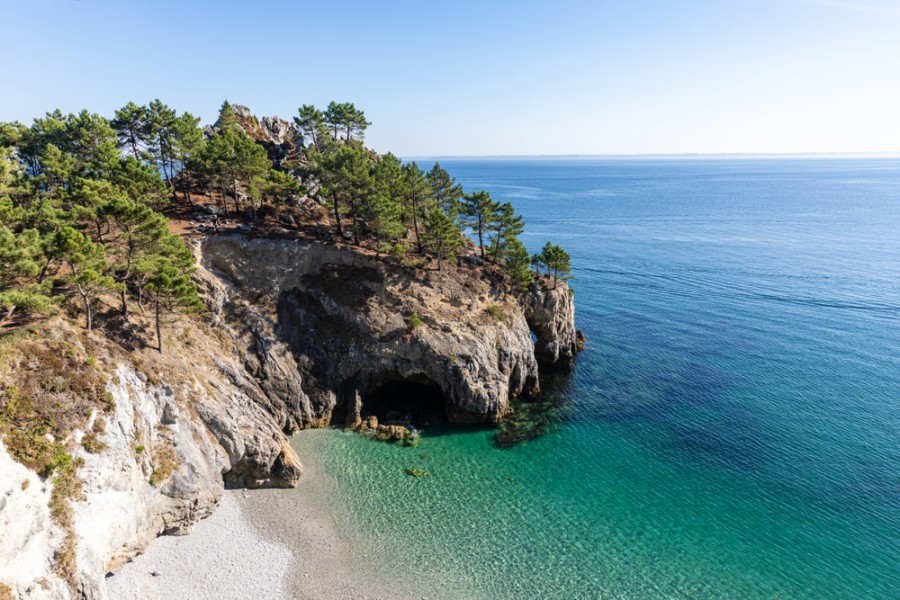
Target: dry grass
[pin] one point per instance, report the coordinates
(67, 488)
(5, 592)
(92, 443)
(51, 383)
(48, 388)
(165, 462)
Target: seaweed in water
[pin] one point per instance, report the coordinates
(529, 419)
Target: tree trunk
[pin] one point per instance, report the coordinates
(162, 161)
(337, 218)
(480, 238)
(416, 224)
(124, 302)
(87, 311)
(224, 198)
(497, 246)
(158, 327)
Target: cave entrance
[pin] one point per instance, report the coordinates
(418, 402)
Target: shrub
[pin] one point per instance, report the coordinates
(397, 251)
(496, 312)
(414, 321)
(91, 442)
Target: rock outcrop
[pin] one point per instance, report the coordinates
(168, 450)
(345, 316)
(277, 136)
(550, 312)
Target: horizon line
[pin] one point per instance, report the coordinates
(672, 156)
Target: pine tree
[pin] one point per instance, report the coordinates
(230, 158)
(346, 178)
(91, 140)
(135, 233)
(132, 128)
(445, 191)
(477, 211)
(555, 260)
(217, 161)
(417, 199)
(20, 263)
(227, 118)
(140, 181)
(188, 142)
(251, 161)
(160, 129)
(442, 236)
(504, 226)
(87, 265)
(517, 264)
(169, 284)
(311, 123)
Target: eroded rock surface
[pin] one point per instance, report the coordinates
(346, 317)
(550, 312)
(169, 448)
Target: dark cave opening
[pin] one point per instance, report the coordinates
(418, 402)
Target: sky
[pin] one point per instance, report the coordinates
(478, 78)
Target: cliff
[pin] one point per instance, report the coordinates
(298, 334)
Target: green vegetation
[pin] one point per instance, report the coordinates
(80, 202)
(496, 311)
(48, 391)
(414, 322)
(79, 197)
(555, 261)
(84, 233)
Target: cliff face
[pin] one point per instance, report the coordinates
(178, 432)
(302, 335)
(345, 316)
(550, 312)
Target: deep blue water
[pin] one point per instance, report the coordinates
(732, 429)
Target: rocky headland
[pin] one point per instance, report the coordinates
(298, 334)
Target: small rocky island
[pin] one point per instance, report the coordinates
(319, 309)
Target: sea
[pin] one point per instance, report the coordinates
(731, 429)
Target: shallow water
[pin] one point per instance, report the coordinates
(731, 429)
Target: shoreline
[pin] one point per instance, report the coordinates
(272, 543)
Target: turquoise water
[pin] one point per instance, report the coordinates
(732, 429)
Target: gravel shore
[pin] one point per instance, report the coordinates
(273, 544)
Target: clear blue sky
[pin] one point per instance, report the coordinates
(484, 77)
